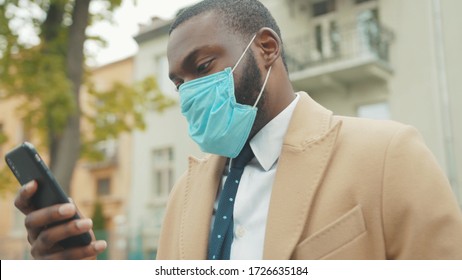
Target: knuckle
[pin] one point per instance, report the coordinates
(53, 213)
(20, 203)
(22, 194)
(45, 238)
(28, 222)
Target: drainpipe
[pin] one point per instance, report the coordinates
(444, 98)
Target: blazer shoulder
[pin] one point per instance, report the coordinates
(379, 131)
(371, 125)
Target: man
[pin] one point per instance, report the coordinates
(316, 186)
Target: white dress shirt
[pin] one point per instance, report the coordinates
(254, 192)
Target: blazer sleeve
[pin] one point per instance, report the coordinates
(421, 217)
(168, 246)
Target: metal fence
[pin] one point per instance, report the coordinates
(343, 43)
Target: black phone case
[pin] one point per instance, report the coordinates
(27, 165)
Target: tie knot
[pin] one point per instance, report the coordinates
(243, 158)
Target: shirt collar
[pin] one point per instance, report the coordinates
(267, 143)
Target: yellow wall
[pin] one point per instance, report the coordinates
(86, 175)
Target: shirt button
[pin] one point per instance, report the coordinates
(240, 231)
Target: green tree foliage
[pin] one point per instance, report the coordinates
(46, 70)
(120, 109)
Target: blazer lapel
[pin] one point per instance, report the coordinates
(197, 212)
(305, 154)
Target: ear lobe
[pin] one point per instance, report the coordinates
(270, 45)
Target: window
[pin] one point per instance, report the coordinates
(323, 7)
(319, 39)
(378, 111)
(103, 187)
(163, 172)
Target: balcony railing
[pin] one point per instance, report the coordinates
(346, 43)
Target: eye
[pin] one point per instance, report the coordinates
(202, 68)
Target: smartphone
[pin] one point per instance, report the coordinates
(27, 165)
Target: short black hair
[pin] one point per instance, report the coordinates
(246, 17)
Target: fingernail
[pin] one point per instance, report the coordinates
(100, 245)
(29, 185)
(66, 209)
(84, 224)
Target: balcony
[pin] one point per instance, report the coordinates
(343, 56)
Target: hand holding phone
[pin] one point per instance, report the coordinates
(55, 229)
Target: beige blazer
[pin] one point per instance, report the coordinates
(345, 188)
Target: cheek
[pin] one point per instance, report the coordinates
(248, 85)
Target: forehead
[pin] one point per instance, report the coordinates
(203, 30)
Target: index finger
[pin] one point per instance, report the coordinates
(23, 199)
(36, 220)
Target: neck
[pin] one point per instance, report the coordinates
(279, 94)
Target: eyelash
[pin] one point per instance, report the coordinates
(204, 67)
(199, 71)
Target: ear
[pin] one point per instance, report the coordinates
(269, 45)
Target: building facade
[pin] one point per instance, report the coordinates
(160, 153)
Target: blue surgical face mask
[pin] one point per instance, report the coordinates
(217, 123)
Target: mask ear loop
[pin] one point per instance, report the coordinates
(266, 80)
(256, 102)
(243, 54)
(263, 86)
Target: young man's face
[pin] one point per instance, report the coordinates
(202, 46)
